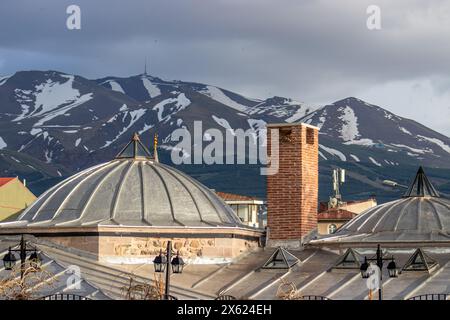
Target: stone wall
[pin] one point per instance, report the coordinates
(133, 247)
(146, 243)
(107, 247)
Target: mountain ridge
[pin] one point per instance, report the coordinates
(73, 122)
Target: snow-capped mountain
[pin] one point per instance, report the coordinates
(368, 133)
(70, 122)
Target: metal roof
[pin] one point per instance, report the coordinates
(131, 190)
(421, 215)
(96, 280)
(316, 275)
(54, 278)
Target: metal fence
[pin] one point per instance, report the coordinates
(431, 296)
(168, 297)
(310, 297)
(225, 297)
(64, 296)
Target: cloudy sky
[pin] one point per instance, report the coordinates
(310, 50)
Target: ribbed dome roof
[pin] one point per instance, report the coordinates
(132, 190)
(421, 215)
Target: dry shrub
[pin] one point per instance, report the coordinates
(144, 291)
(13, 287)
(288, 291)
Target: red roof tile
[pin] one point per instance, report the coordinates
(234, 197)
(4, 181)
(323, 205)
(335, 214)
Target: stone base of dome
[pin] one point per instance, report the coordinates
(135, 245)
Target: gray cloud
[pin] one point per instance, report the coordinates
(313, 51)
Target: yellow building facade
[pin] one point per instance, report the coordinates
(14, 198)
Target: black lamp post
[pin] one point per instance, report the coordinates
(9, 260)
(161, 264)
(392, 269)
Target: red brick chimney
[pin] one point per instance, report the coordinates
(292, 193)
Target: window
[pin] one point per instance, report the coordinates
(281, 259)
(309, 135)
(286, 135)
(420, 261)
(351, 259)
(242, 212)
(332, 228)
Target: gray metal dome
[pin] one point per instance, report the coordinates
(131, 190)
(421, 215)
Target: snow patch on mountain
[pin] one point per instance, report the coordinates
(48, 156)
(181, 102)
(218, 95)
(421, 151)
(223, 123)
(51, 99)
(321, 154)
(3, 80)
(375, 162)
(51, 95)
(361, 142)
(300, 113)
(152, 89)
(404, 130)
(349, 129)
(15, 159)
(135, 115)
(145, 128)
(3, 144)
(437, 142)
(115, 86)
(53, 114)
(334, 152)
(35, 131)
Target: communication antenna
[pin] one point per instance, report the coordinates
(338, 176)
(145, 67)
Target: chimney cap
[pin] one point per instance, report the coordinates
(296, 124)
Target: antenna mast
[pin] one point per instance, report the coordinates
(338, 176)
(145, 66)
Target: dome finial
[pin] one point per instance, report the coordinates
(134, 149)
(421, 186)
(155, 147)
